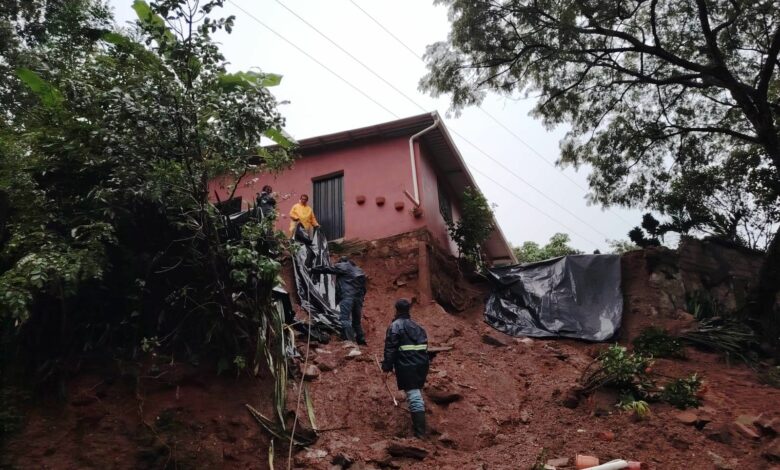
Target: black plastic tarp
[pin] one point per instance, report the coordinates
(576, 296)
(317, 292)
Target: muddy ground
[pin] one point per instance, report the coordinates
(500, 405)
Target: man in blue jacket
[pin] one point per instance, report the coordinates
(406, 352)
(350, 292)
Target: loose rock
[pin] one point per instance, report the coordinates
(748, 432)
(559, 462)
(407, 449)
(606, 436)
(570, 400)
(443, 396)
(687, 417)
(446, 440)
(487, 339)
(721, 433)
(326, 364)
(311, 372)
(767, 424)
(772, 453)
(722, 464)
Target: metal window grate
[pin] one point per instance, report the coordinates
(328, 205)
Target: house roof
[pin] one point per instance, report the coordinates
(445, 154)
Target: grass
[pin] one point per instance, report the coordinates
(657, 342)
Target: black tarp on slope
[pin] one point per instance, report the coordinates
(576, 296)
(317, 292)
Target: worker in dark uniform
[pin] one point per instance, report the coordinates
(266, 203)
(350, 293)
(406, 352)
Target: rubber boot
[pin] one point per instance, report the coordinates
(418, 424)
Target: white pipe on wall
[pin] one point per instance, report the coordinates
(415, 183)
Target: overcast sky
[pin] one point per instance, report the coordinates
(321, 103)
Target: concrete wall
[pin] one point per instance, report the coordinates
(373, 168)
(429, 181)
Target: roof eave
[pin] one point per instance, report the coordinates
(462, 163)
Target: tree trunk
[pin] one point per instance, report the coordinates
(768, 305)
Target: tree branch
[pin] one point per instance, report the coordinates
(709, 37)
(718, 130)
(769, 66)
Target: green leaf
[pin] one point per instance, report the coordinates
(282, 138)
(49, 95)
(116, 39)
(244, 80)
(309, 407)
(152, 20)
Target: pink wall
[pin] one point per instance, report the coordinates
(370, 168)
(429, 182)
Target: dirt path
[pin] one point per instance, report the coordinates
(508, 398)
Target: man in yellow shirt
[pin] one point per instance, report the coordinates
(303, 213)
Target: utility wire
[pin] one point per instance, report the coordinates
(484, 175)
(488, 114)
(314, 59)
(421, 107)
(340, 77)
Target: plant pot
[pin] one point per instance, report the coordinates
(380, 201)
(360, 199)
(399, 205)
(585, 461)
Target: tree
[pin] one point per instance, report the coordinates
(648, 234)
(474, 226)
(655, 92)
(530, 252)
(619, 247)
(107, 150)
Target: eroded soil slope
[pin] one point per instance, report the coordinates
(493, 402)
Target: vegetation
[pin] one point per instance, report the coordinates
(683, 392)
(726, 335)
(540, 462)
(726, 332)
(474, 227)
(656, 342)
(674, 105)
(631, 374)
(617, 368)
(649, 234)
(10, 412)
(530, 252)
(771, 376)
(640, 408)
(702, 305)
(109, 139)
(618, 247)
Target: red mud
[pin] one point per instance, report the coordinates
(507, 408)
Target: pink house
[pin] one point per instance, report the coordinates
(376, 182)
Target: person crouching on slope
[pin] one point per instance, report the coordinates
(350, 292)
(406, 352)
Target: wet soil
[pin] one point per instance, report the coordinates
(493, 402)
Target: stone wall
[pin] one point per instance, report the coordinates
(657, 281)
(729, 273)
